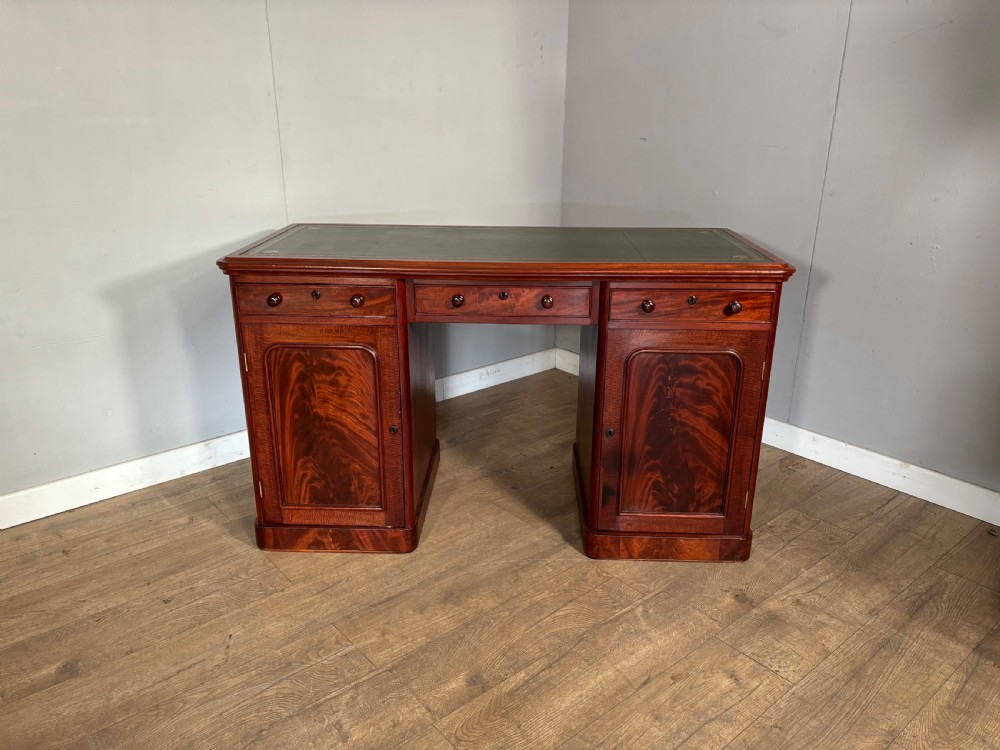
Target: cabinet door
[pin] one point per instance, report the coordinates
(324, 414)
(679, 429)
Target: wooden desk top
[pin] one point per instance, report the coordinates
(541, 252)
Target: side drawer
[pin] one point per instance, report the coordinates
(691, 305)
(502, 301)
(344, 300)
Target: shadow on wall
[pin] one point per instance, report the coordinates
(176, 323)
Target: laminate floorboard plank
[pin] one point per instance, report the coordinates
(467, 661)
(867, 691)
(861, 613)
(977, 557)
(230, 708)
(173, 565)
(785, 483)
(962, 715)
(50, 564)
(538, 707)
(290, 628)
(703, 701)
(394, 626)
(852, 503)
(79, 648)
(376, 712)
(37, 540)
(800, 625)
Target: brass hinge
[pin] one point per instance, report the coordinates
(246, 367)
(260, 489)
(746, 500)
(763, 369)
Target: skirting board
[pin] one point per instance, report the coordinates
(75, 492)
(940, 489)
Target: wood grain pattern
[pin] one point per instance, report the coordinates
(326, 410)
(959, 715)
(709, 306)
(587, 411)
(420, 423)
(705, 700)
(865, 693)
(679, 434)
(497, 631)
(678, 416)
(977, 558)
(809, 618)
(325, 427)
(317, 299)
(502, 302)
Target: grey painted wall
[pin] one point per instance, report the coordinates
(722, 113)
(137, 144)
(425, 113)
(706, 114)
(901, 345)
(141, 141)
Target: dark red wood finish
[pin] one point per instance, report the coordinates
(339, 377)
(677, 423)
(703, 305)
(325, 406)
(354, 300)
(460, 301)
(683, 407)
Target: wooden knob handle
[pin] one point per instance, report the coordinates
(457, 301)
(733, 307)
(648, 306)
(357, 300)
(274, 300)
(547, 302)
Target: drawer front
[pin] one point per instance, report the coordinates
(316, 299)
(691, 305)
(513, 301)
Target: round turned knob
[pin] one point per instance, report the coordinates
(503, 295)
(648, 306)
(457, 301)
(733, 307)
(274, 300)
(357, 300)
(315, 294)
(547, 302)
(692, 299)
(610, 432)
(393, 429)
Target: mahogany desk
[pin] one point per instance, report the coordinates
(338, 379)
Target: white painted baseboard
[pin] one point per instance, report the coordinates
(461, 383)
(940, 489)
(75, 492)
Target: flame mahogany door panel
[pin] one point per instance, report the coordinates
(325, 407)
(679, 429)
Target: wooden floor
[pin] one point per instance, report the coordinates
(864, 618)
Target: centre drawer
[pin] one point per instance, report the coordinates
(503, 302)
